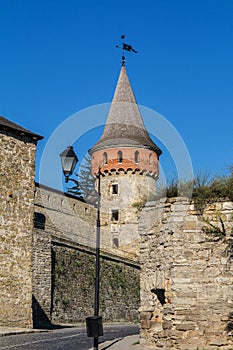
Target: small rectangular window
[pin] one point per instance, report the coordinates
(39, 220)
(115, 243)
(114, 189)
(115, 215)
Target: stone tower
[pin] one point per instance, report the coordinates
(17, 187)
(129, 164)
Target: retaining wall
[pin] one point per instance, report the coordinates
(186, 278)
(64, 265)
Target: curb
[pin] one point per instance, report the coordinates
(108, 344)
(4, 332)
(128, 343)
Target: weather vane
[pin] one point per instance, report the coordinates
(125, 47)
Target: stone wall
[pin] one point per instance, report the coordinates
(56, 216)
(73, 286)
(64, 215)
(64, 265)
(17, 154)
(186, 279)
(42, 277)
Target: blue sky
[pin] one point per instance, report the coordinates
(58, 57)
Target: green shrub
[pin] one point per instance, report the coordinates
(216, 231)
(202, 190)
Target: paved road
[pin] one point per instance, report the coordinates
(63, 339)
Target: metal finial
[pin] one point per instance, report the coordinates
(125, 47)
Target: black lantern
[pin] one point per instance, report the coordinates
(68, 161)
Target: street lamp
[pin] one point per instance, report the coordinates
(94, 323)
(68, 161)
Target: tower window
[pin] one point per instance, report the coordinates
(119, 157)
(150, 159)
(136, 157)
(115, 243)
(115, 215)
(105, 158)
(114, 189)
(39, 220)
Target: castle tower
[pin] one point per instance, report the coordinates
(129, 165)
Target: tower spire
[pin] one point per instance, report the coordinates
(124, 126)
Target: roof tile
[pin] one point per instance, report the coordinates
(4, 122)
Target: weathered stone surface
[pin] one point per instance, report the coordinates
(64, 265)
(227, 206)
(73, 286)
(198, 304)
(134, 190)
(17, 155)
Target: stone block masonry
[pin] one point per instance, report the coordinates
(56, 216)
(73, 286)
(133, 190)
(17, 154)
(187, 273)
(64, 265)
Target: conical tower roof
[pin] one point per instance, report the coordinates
(124, 126)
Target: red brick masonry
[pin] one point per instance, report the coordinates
(108, 160)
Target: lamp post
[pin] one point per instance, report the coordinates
(94, 323)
